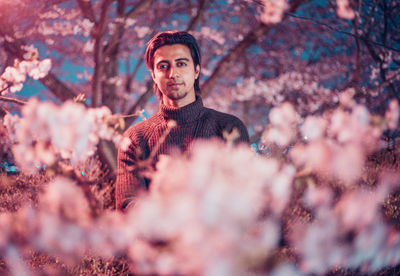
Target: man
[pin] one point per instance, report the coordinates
(173, 59)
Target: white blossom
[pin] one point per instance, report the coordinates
(273, 11)
(344, 10)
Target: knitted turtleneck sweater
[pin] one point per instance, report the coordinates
(148, 141)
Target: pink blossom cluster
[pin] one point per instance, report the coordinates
(47, 132)
(334, 144)
(350, 232)
(206, 214)
(282, 129)
(62, 226)
(212, 34)
(275, 91)
(204, 218)
(57, 22)
(14, 77)
(337, 143)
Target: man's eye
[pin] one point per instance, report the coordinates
(180, 64)
(162, 66)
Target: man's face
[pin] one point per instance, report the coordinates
(174, 73)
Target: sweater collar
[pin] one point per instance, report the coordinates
(185, 114)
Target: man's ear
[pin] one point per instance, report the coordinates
(197, 71)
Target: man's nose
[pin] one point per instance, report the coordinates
(173, 72)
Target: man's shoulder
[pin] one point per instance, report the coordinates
(228, 122)
(143, 127)
(221, 117)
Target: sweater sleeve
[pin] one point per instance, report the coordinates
(129, 182)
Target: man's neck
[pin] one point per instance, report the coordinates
(178, 103)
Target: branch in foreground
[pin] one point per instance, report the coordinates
(140, 103)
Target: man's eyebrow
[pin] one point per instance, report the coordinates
(162, 61)
(178, 59)
(182, 59)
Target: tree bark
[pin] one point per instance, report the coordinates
(97, 94)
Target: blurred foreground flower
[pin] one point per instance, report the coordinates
(218, 211)
(350, 232)
(47, 132)
(202, 214)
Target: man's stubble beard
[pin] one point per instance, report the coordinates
(176, 96)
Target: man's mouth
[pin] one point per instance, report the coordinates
(174, 84)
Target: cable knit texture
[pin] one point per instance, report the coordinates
(149, 140)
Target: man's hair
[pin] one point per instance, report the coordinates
(170, 38)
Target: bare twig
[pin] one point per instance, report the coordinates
(87, 10)
(140, 103)
(139, 8)
(12, 100)
(344, 32)
(5, 88)
(202, 6)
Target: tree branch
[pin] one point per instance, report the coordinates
(99, 55)
(142, 6)
(357, 70)
(202, 6)
(57, 87)
(12, 100)
(115, 38)
(3, 112)
(87, 10)
(5, 88)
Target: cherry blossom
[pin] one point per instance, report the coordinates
(344, 10)
(352, 237)
(69, 131)
(283, 122)
(16, 76)
(195, 205)
(313, 128)
(392, 115)
(273, 11)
